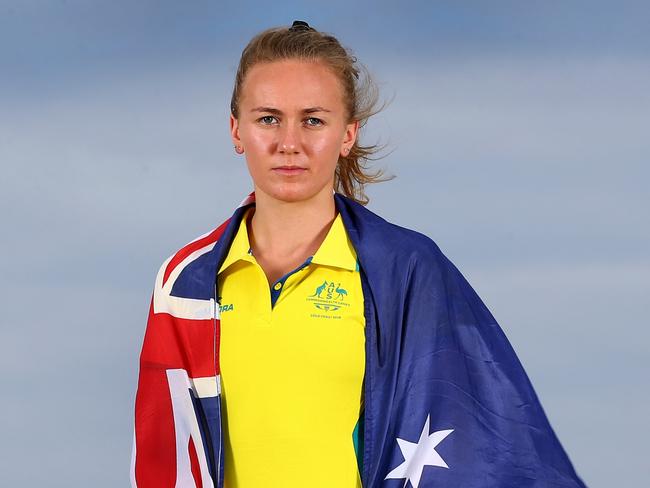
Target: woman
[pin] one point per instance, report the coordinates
(308, 342)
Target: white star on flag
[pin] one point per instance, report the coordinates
(418, 455)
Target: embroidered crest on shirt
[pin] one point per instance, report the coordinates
(329, 296)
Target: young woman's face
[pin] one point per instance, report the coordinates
(292, 127)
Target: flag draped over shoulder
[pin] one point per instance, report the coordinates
(447, 402)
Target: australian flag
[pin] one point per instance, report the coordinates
(446, 401)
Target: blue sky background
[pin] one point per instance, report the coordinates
(519, 137)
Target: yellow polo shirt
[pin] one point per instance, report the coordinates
(292, 363)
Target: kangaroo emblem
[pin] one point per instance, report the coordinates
(341, 292)
(320, 289)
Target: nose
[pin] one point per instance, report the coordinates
(288, 142)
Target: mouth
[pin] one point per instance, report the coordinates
(289, 170)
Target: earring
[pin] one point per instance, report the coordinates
(238, 149)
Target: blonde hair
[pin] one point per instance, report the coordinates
(360, 95)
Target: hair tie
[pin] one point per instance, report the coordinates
(300, 25)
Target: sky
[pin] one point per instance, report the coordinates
(517, 132)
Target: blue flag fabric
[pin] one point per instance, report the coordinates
(447, 402)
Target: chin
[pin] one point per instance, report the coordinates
(292, 193)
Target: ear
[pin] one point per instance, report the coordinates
(234, 131)
(351, 131)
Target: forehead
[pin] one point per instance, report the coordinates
(290, 83)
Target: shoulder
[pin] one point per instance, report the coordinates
(180, 277)
(190, 252)
(193, 268)
(394, 242)
(406, 256)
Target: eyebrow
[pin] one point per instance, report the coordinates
(275, 111)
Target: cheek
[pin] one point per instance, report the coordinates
(257, 141)
(325, 145)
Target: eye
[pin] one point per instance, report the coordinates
(316, 123)
(265, 119)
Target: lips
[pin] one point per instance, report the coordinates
(289, 170)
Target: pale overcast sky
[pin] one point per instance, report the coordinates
(518, 133)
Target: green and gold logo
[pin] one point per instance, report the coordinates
(329, 296)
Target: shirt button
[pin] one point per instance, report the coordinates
(277, 286)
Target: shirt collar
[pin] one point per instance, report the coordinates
(336, 249)
(240, 246)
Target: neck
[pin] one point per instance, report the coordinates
(285, 229)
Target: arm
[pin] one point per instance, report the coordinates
(177, 404)
(466, 413)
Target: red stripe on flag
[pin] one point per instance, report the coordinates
(155, 465)
(193, 246)
(194, 463)
(172, 343)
